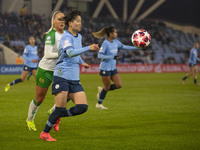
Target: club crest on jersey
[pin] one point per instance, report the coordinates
(41, 80)
(57, 86)
(104, 72)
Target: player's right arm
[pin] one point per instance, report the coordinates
(49, 45)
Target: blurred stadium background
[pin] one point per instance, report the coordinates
(173, 25)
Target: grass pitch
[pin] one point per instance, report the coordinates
(150, 112)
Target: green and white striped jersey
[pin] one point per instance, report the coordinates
(51, 50)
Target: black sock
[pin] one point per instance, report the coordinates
(76, 110)
(112, 87)
(195, 81)
(184, 78)
(55, 115)
(102, 96)
(16, 81)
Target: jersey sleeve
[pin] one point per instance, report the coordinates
(25, 54)
(125, 47)
(102, 52)
(80, 60)
(66, 43)
(50, 38)
(49, 45)
(68, 47)
(26, 50)
(103, 48)
(48, 54)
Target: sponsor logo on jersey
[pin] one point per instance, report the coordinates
(113, 51)
(48, 42)
(34, 52)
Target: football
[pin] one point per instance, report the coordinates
(141, 38)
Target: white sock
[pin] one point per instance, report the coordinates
(53, 108)
(32, 111)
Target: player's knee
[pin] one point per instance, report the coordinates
(80, 109)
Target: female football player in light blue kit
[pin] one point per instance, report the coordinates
(108, 53)
(193, 63)
(66, 75)
(31, 62)
(46, 67)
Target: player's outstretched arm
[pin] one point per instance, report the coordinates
(74, 52)
(127, 47)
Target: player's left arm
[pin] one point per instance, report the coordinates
(125, 47)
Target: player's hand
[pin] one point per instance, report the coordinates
(116, 57)
(94, 47)
(86, 66)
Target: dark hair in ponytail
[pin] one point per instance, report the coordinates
(104, 31)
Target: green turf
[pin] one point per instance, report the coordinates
(150, 112)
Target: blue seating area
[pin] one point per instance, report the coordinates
(168, 46)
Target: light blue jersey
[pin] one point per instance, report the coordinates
(30, 53)
(69, 58)
(108, 51)
(193, 57)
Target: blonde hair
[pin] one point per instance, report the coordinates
(52, 19)
(103, 32)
